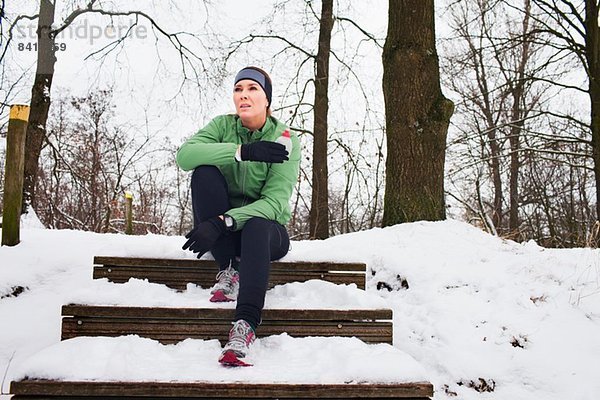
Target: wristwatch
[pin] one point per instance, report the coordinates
(229, 222)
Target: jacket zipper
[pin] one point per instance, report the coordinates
(244, 173)
(245, 168)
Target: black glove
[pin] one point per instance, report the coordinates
(270, 152)
(203, 237)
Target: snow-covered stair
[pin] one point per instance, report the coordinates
(172, 325)
(207, 390)
(152, 351)
(178, 273)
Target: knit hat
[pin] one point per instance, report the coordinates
(257, 76)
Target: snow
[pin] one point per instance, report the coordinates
(278, 359)
(479, 313)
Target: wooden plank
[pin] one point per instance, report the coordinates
(176, 273)
(415, 390)
(169, 325)
(180, 281)
(164, 326)
(192, 275)
(151, 271)
(163, 331)
(190, 398)
(178, 278)
(165, 398)
(194, 263)
(189, 327)
(168, 340)
(81, 310)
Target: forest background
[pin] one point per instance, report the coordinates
(129, 87)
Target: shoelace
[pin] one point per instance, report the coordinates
(227, 276)
(238, 338)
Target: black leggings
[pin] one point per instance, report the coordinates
(257, 244)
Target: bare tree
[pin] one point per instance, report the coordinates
(319, 210)
(497, 54)
(508, 120)
(46, 50)
(417, 116)
(298, 57)
(516, 89)
(574, 32)
(86, 164)
(470, 74)
(181, 201)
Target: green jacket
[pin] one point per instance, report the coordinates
(256, 189)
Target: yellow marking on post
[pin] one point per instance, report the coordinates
(20, 112)
(128, 195)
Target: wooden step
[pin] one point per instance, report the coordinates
(171, 325)
(38, 389)
(177, 273)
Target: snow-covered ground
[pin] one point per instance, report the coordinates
(482, 318)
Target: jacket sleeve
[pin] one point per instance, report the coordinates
(276, 192)
(205, 147)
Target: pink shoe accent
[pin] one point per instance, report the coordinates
(230, 359)
(219, 297)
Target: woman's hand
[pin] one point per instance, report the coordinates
(270, 152)
(204, 236)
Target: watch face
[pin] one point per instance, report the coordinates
(228, 221)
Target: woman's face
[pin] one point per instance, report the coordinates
(250, 100)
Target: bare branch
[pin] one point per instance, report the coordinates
(364, 32)
(10, 31)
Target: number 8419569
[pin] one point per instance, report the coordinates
(29, 46)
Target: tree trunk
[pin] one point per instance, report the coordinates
(496, 179)
(494, 160)
(40, 100)
(517, 122)
(417, 116)
(319, 211)
(515, 145)
(592, 45)
(13, 188)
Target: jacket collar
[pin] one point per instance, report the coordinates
(266, 129)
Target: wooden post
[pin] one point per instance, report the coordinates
(13, 177)
(128, 213)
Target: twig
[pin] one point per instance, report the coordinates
(5, 373)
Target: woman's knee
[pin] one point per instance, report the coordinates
(257, 225)
(257, 230)
(270, 233)
(208, 179)
(205, 173)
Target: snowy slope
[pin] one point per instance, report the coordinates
(480, 313)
